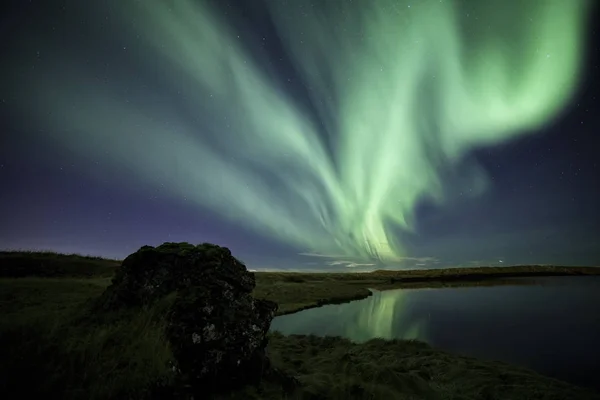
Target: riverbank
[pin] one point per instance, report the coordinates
(297, 291)
(52, 347)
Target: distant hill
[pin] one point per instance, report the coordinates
(18, 264)
(486, 272)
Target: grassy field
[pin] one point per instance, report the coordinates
(18, 264)
(53, 347)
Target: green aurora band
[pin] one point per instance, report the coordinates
(405, 89)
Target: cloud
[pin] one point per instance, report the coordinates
(357, 263)
(323, 255)
(350, 264)
(354, 265)
(432, 260)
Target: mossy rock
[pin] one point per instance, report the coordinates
(216, 329)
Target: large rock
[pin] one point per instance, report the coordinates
(216, 328)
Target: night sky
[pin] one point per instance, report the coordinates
(311, 135)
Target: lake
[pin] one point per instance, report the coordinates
(551, 325)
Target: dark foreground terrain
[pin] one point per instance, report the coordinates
(53, 346)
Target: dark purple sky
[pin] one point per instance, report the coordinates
(541, 205)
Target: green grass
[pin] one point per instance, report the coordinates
(53, 346)
(334, 368)
(17, 264)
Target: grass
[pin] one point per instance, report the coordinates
(471, 273)
(18, 264)
(334, 368)
(53, 347)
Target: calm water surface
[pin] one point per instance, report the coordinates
(551, 326)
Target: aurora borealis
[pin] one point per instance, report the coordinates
(322, 128)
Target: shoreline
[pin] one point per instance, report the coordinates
(422, 353)
(357, 285)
